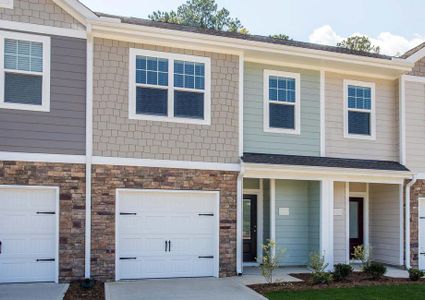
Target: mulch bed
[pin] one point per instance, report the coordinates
(354, 280)
(76, 292)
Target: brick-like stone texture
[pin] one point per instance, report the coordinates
(40, 12)
(71, 182)
(416, 191)
(106, 179)
(118, 136)
(419, 68)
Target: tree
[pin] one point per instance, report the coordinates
(359, 43)
(280, 36)
(201, 13)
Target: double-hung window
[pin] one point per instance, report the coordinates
(24, 71)
(281, 102)
(169, 87)
(359, 107)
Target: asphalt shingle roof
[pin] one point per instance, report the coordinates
(316, 161)
(247, 37)
(413, 50)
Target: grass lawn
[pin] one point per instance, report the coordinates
(407, 291)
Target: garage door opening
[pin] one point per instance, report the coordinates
(29, 234)
(166, 234)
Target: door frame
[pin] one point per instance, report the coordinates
(57, 212)
(217, 225)
(421, 259)
(365, 196)
(260, 221)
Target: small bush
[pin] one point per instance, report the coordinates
(362, 254)
(415, 274)
(270, 261)
(318, 266)
(342, 271)
(375, 270)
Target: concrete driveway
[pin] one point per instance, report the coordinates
(33, 291)
(180, 289)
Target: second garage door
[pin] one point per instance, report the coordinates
(164, 234)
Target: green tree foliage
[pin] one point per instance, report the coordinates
(201, 13)
(359, 43)
(280, 36)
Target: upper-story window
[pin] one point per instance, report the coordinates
(359, 104)
(24, 71)
(281, 102)
(169, 87)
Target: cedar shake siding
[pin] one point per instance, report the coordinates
(115, 135)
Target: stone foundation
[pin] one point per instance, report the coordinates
(70, 178)
(105, 181)
(416, 191)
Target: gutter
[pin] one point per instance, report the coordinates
(407, 221)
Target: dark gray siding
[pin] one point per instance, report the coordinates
(62, 130)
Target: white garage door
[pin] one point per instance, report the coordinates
(28, 219)
(422, 233)
(166, 234)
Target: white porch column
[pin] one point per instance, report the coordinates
(327, 221)
(273, 212)
(239, 245)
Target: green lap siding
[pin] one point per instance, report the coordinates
(298, 232)
(258, 141)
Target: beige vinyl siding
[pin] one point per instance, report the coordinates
(415, 126)
(386, 145)
(385, 224)
(340, 232)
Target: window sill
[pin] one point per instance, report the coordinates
(282, 130)
(359, 137)
(28, 107)
(169, 119)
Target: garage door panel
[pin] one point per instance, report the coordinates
(27, 236)
(162, 217)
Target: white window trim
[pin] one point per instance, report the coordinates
(45, 96)
(171, 58)
(6, 4)
(372, 111)
(266, 102)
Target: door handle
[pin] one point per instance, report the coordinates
(0, 247)
(169, 246)
(166, 246)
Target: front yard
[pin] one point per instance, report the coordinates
(387, 292)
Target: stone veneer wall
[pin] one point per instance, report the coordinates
(40, 12)
(419, 68)
(70, 178)
(106, 179)
(416, 191)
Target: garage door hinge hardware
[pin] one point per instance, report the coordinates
(206, 215)
(45, 213)
(45, 259)
(127, 214)
(127, 258)
(206, 256)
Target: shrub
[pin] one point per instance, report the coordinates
(362, 254)
(270, 261)
(342, 271)
(375, 270)
(415, 274)
(318, 266)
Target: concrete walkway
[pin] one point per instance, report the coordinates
(33, 291)
(180, 289)
(252, 275)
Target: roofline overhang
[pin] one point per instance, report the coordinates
(113, 28)
(296, 172)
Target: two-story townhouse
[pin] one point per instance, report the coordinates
(43, 79)
(413, 126)
(163, 150)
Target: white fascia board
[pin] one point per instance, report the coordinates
(132, 31)
(412, 78)
(173, 164)
(320, 173)
(76, 9)
(416, 56)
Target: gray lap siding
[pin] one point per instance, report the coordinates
(62, 130)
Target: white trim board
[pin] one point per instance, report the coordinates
(414, 78)
(174, 164)
(42, 157)
(42, 29)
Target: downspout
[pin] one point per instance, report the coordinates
(407, 221)
(239, 267)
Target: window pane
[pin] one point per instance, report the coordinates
(152, 78)
(284, 89)
(359, 123)
(199, 83)
(23, 55)
(273, 82)
(246, 218)
(179, 67)
(199, 70)
(163, 79)
(178, 81)
(282, 116)
(163, 65)
(151, 101)
(194, 75)
(189, 82)
(152, 64)
(10, 61)
(141, 76)
(151, 70)
(24, 89)
(359, 97)
(273, 94)
(354, 220)
(141, 62)
(189, 104)
(189, 68)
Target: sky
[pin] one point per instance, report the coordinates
(394, 25)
